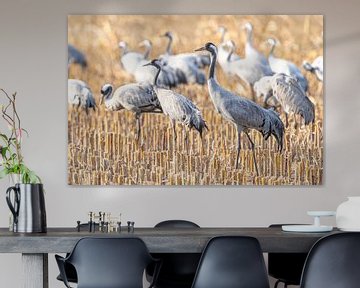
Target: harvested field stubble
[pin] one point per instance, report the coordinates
(101, 145)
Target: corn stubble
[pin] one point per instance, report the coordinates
(101, 145)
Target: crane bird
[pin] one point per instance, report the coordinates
(129, 60)
(242, 112)
(167, 77)
(279, 65)
(177, 107)
(247, 69)
(264, 90)
(223, 53)
(136, 97)
(77, 57)
(250, 51)
(292, 98)
(80, 95)
(200, 61)
(315, 67)
(184, 65)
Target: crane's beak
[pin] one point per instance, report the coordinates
(147, 64)
(200, 49)
(102, 99)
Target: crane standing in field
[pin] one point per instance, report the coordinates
(178, 107)
(147, 74)
(80, 95)
(279, 65)
(185, 65)
(286, 91)
(136, 97)
(129, 60)
(292, 98)
(76, 56)
(200, 61)
(250, 51)
(315, 67)
(248, 69)
(223, 53)
(242, 112)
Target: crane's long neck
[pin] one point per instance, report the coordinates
(249, 37)
(272, 48)
(157, 75)
(124, 50)
(147, 51)
(168, 48)
(231, 51)
(212, 64)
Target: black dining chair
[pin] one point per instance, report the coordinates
(178, 269)
(232, 262)
(70, 271)
(333, 262)
(286, 267)
(108, 263)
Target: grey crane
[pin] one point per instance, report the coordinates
(279, 65)
(223, 53)
(129, 60)
(242, 112)
(185, 66)
(136, 97)
(250, 51)
(292, 98)
(177, 107)
(263, 89)
(248, 69)
(148, 47)
(200, 61)
(167, 77)
(315, 67)
(76, 56)
(80, 95)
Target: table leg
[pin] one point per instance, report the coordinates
(35, 270)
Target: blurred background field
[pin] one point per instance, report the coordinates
(101, 145)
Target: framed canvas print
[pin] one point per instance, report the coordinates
(195, 100)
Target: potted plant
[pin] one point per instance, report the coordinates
(12, 161)
(26, 197)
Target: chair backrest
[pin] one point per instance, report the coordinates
(286, 266)
(232, 262)
(110, 262)
(176, 224)
(177, 268)
(333, 262)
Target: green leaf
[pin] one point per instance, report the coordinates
(3, 173)
(4, 137)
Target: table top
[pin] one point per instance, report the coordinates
(158, 240)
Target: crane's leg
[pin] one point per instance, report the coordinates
(173, 125)
(252, 93)
(238, 150)
(296, 125)
(138, 126)
(286, 120)
(186, 139)
(253, 150)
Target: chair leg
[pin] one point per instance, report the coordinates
(277, 283)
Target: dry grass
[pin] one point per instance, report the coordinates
(101, 145)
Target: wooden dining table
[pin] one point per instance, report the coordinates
(35, 247)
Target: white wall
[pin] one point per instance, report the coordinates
(33, 39)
